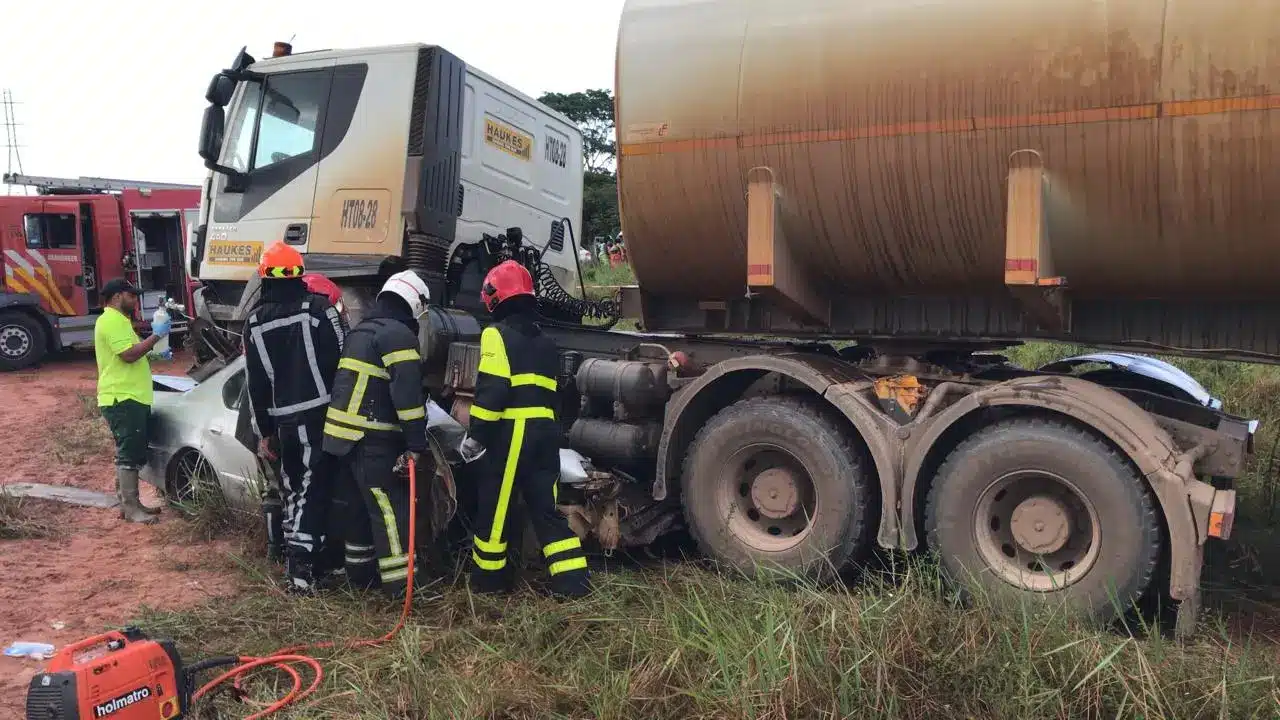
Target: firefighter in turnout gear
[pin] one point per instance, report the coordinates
(377, 420)
(293, 340)
(514, 419)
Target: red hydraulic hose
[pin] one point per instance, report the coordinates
(285, 659)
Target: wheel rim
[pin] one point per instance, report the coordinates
(768, 497)
(15, 341)
(1037, 531)
(192, 475)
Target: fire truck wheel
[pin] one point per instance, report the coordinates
(22, 341)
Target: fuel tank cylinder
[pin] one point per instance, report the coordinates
(889, 126)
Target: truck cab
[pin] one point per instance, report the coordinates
(370, 158)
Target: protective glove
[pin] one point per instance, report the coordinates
(402, 463)
(266, 449)
(471, 449)
(162, 328)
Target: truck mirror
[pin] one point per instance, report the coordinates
(211, 131)
(212, 128)
(220, 90)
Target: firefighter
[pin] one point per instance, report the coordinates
(514, 420)
(377, 421)
(293, 341)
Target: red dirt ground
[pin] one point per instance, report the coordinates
(101, 570)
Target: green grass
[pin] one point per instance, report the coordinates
(685, 642)
(600, 274)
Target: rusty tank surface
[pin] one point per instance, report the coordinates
(890, 128)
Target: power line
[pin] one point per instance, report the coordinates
(11, 139)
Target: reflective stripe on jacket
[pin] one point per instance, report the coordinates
(378, 390)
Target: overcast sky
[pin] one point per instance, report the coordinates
(117, 89)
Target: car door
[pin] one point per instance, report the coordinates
(53, 260)
(236, 466)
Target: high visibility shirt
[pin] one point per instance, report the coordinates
(517, 378)
(118, 380)
(378, 390)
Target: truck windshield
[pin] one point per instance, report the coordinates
(287, 128)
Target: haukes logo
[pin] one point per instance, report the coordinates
(121, 702)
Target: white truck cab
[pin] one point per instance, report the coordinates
(361, 157)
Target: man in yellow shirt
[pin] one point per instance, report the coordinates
(125, 391)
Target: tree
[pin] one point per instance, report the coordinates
(592, 110)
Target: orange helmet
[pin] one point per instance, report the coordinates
(505, 281)
(280, 261)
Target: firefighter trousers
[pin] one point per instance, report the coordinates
(306, 485)
(527, 459)
(377, 539)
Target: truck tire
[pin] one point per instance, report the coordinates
(1039, 509)
(776, 482)
(23, 341)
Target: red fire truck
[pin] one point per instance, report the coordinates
(61, 245)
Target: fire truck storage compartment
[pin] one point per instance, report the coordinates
(157, 236)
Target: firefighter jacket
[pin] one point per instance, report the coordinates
(516, 382)
(292, 346)
(378, 391)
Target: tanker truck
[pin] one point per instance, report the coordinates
(902, 190)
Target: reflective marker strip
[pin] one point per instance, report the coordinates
(389, 520)
(343, 433)
(486, 564)
(400, 356)
(541, 381)
(560, 546)
(411, 414)
(564, 566)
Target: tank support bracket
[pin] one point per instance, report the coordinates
(772, 269)
(1028, 263)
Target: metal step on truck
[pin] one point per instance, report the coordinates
(61, 244)
(778, 181)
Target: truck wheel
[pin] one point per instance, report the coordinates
(776, 482)
(1039, 509)
(23, 341)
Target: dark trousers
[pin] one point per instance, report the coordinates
(129, 420)
(528, 459)
(306, 485)
(378, 546)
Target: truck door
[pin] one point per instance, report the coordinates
(52, 263)
(273, 135)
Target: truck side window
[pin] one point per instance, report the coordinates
(293, 104)
(49, 231)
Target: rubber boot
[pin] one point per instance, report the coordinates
(131, 507)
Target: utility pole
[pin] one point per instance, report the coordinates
(11, 140)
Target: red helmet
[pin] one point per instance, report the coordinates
(280, 261)
(321, 285)
(506, 281)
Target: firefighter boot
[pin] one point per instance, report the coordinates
(300, 577)
(131, 507)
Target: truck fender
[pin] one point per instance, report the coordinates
(1115, 417)
(725, 382)
(12, 299)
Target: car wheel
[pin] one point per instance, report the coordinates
(191, 479)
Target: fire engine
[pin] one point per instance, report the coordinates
(60, 245)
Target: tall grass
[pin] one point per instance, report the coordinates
(683, 642)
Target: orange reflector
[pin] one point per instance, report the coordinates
(1220, 524)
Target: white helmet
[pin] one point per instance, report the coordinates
(411, 288)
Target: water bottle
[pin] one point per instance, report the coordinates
(161, 349)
